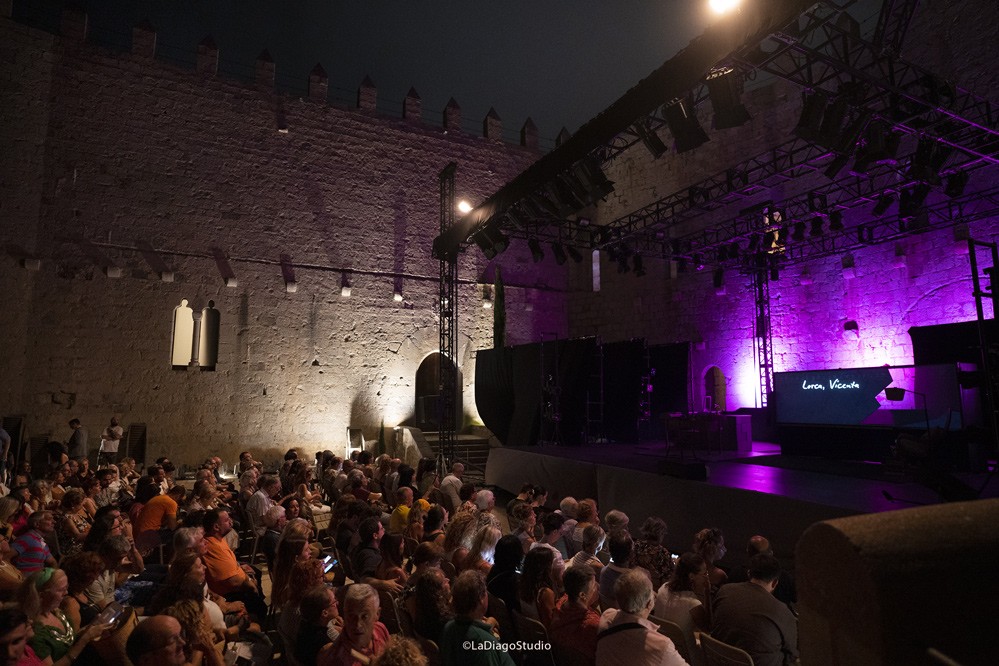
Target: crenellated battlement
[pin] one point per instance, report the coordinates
(74, 31)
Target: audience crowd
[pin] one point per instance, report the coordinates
(340, 562)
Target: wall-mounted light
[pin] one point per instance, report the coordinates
(344, 285)
(397, 290)
(849, 267)
(464, 207)
(487, 297)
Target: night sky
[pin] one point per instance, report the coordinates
(558, 61)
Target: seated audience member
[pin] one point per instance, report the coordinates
(91, 487)
(224, 574)
(246, 462)
(709, 543)
(73, 526)
(466, 495)
(291, 551)
(157, 641)
(552, 526)
(54, 638)
(275, 521)
(319, 614)
(400, 515)
(401, 651)
(269, 489)
(247, 486)
(470, 600)
(81, 571)
(748, 616)
(433, 525)
(450, 485)
(414, 520)
(593, 541)
(504, 578)
(650, 554)
(586, 515)
(458, 538)
(390, 567)
(615, 520)
(538, 591)
(346, 535)
(362, 632)
(31, 553)
(145, 489)
(367, 556)
(485, 502)
(200, 645)
(158, 518)
(480, 555)
(525, 496)
(684, 600)
(431, 604)
(15, 632)
(10, 576)
(305, 575)
(786, 590)
(626, 637)
(621, 549)
(203, 497)
(107, 494)
(121, 559)
(426, 556)
(575, 626)
(523, 516)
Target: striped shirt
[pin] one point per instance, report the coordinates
(30, 552)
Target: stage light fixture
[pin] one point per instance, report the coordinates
(724, 89)
(687, 132)
(566, 201)
(835, 220)
(813, 107)
(927, 161)
(464, 207)
(699, 262)
(537, 254)
(816, 229)
(491, 240)
(883, 204)
(911, 200)
(956, 183)
(639, 265)
(622, 264)
(850, 136)
(650, 139)
(592, 179)
(558, 251)
(817, 201)
(574, 253)
(733, 251)
(718, 279)
(836, 166)
(832, 122)
(799, 231)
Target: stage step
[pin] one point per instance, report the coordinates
(471, 450)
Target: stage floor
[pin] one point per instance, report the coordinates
(856, 486)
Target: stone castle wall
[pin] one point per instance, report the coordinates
(114, 162)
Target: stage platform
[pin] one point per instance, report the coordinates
(779, 499)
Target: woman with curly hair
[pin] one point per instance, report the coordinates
(305, 575)
(586, 515)
(480, 555)
(538, 591)
(651, 554)
(81, 569)
(458, 538)
(200, 641)
(401, 651)
(431, 605)
(709, 543)
(73, 526)
(414, 521)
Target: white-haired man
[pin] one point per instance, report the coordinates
(626, 637)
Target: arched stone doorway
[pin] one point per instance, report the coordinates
(714, 388)
(428, 393)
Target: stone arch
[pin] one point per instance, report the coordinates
(428, 392)
(715, 387)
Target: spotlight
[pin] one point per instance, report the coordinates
(491, 241)
(724, 89)
(723, 6)
(956, 184)
(718, 279)
(810, 121)
(848, 139)
(651, 140)
(799, 231)
(687, 132)
(622, 263)
(344, 286)
(592, 179)
(574, 253)
(836, 166)
(566, 201)
(816, 229)
(639, 265)
(832, 122)
(835, 220)
(537, 254)
(883, 204)
(911, 201)
(927, 160)
(464, 207)
(558, 251)
(698, 262)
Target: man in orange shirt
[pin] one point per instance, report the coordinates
(158, 518)
(224, 574)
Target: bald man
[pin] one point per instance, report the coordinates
(786, 590)
(157, 641)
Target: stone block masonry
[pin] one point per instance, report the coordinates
(124, 151)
